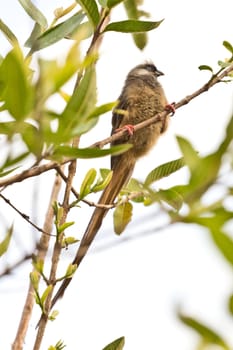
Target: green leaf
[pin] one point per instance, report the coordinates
(171, 197)
(224, 243)
(68, 241)
(230, 304)
(103, 181)
(70, 270)
(17, 93)
(80, 105)
(205, 67)
(4, 244)
(38, 265)
(85, 153)
(36, 32)
(34, 13)
(46, 293)
(53, 315)
(191, 158)
(132, 26)
(209, 336)
(117, 344)
(60, 31)
(91, 9)
(164, 170)
(112, 3)
(59, 346)
(228, 46)
(64, 226)
(88, 181)
(131, 7)
(122, 216)
(34, 278)
(103, 3)
(8, 34)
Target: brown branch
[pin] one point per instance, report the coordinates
(42, 250)
(24, 216)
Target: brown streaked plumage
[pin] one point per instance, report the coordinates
(142, 97)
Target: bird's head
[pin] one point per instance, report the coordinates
(145, 70)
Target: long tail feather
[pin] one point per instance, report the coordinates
(121, 175)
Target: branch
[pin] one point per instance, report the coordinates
(25, 216)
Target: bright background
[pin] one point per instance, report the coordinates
(133, 285)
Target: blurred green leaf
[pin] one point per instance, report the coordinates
(70, 270)
(59, 346)
(45, 294)
(10, 162)
(17, 93)
(91, 9)
(85, 153)
(87, 182)
(35, 33)
(34, 13)
(164, 170)
(64, 226)
(205, 67)
(132, 26)
(131, 7)
(117, 344)
(191, 159)
(209, 336)
(34, 278)
(228, 46)
(224, 243)
(112, 3)
(80, 105)
(60, 31)
(122, 216)
(171, 197)
(103, 181)
(230, 304)
(52, 317)
(103, 3)
(8, 34)
(68, 241)
(4, 244)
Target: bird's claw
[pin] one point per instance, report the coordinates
(129, 128)
(170, 108)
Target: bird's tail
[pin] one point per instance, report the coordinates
(121, 176)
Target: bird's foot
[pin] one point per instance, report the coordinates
(128, 127)
(170, 108)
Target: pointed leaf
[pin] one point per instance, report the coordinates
(64, 226)
(228, 46)
(46, 293)
(164, 170)
(80, 105)
(172, 198)
(132, 26)
(112, 3)
(70, 270)
(122, 216)
(224, 243)
(60, 31)
(208, 335)
(205, 67)
(190, 155)
(8, 34)
(85, 153)
(53, 316)
(4, 244)
(103, 181)
(34, 13)
(17, 92)
(85, 188)
(91, 9)
(117, 344)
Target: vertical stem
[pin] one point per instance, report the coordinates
(42, 250)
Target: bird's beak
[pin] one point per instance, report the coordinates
(158, 73)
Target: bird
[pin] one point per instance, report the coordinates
(142, 97)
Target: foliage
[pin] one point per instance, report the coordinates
(51, 136)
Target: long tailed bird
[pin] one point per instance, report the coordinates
(142, 97)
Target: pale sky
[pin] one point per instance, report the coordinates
(133, 289)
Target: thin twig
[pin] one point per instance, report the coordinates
(24, 216)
